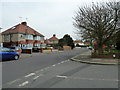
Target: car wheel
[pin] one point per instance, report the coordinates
(16, 57)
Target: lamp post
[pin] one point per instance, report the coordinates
(41, 48)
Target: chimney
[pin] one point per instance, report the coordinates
(54, 35)
(24, 23)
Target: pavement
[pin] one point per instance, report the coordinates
(86, 58)
(83, 58)
(56, 70)
(25, 55)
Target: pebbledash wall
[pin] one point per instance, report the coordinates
(23, 36)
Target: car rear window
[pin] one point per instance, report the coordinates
(12, 47)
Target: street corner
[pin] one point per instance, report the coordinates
(86, 58)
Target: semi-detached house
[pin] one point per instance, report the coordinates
(23, 36)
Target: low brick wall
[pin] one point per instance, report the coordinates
(27, 51)
(51, 50)
(66, 48)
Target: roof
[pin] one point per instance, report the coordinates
(54, 38)
(47, 41)
(21, 28)
(87, 42)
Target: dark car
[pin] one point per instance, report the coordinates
(7, 53)
(35, 49)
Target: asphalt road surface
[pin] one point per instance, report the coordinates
(55, 70)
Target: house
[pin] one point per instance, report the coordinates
(1, 44)
(52, 41)
(81, 43)
(23, 36)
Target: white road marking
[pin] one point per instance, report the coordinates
(51, 66)
(41, 70)
(93, 79)
(24, 83)
(59, 63)
(66, 60)
(31, 74)
(87, 78)
(62, 62)
(54, 65)
(46, 68)
(37, 76)
(13, 81)
(62, 76)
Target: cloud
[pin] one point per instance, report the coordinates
(46, 16)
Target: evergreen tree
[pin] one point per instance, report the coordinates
(66, 41)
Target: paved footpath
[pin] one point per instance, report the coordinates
(86, 58)
(24, 55)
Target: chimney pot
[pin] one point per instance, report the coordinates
(24, 23)
(54, 35)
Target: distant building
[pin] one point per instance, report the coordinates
(51, 41)
(81, 43)
(23, 36)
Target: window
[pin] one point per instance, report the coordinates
(37, 38)
(41, 38)
(29, 36)
(22, 36)
(23, 46)
(6, 37)
(37, 45)
(5, 50)
(29, 46)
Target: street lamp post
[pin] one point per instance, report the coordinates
(41, 49)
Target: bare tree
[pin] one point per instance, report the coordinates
(98, 22)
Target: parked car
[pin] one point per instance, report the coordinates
(90, 48)
(16, 49)
(7, 53)
(35, 49)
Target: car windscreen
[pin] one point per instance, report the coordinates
(12, 47)
(4, 50)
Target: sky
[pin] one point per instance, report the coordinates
(45, 16)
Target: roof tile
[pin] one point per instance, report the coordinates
(20, 28)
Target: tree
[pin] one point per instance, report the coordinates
(118, 41)
(66, 41)
(116, 8)
(77, 45)
(98, 23)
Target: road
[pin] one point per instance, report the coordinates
(55, 70)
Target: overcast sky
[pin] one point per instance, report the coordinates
(46, 16)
